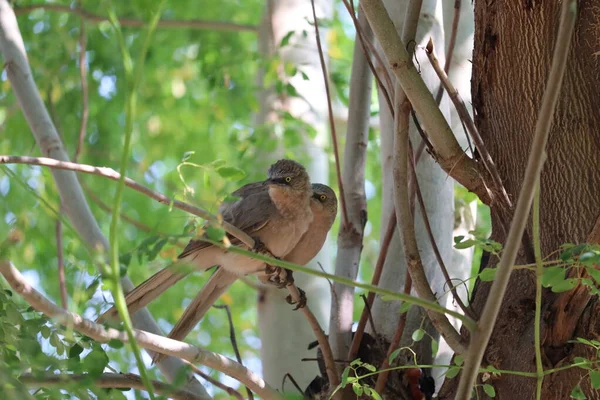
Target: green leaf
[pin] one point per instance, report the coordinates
(489, 390)
(75, 351)
(218, 163)
(552, 276)
(595, 379)
(418, 335)
(95, 362)
(371, 392)
(286, 39)
(369, 367)
(565, 285)
(488, 274)
(345, 375)
(394, 355)
(405, 307)
(215, 233)
(231, 173)
(458, 239)
(466, 244)
(452, 372)
(577, 393)
(186, 156)
(573, 252)
(459, 360)
(115, 344)
(358, 389)
(434, 347)
(45, 331)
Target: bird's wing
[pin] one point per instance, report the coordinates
(250, 213)
(218, 284)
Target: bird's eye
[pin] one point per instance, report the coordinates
(323, 197)
(288, 179)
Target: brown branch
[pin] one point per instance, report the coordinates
(451, 45)
(233, 340)
(115, 176)
(463, 113)
(434, 245)
(108, 380)
(383, 376)
(407, 232)
(61, 263)
(342, 197)
(533, 171)
(84, 90)
(330, 365)
(229, 390)
(136, 23)
(147, 340)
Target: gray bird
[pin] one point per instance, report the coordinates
(275, 212)
(324, 209)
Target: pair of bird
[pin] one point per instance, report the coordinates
(285, 214)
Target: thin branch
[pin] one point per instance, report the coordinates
(407, 232)
(136, 23)
(108, 380)
(147, 340)
(330, 365)
(385, 372)
(229, 390)
(463, 113)
(447, 150)
(233, 340)
(84, 89)
(451, 45)
(115, 176)
(537, 248)
(342, 197)
(535, 163)
(436, 250)
(61, 264)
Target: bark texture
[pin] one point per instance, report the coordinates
(514, 41)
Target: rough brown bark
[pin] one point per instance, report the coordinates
(514, 41)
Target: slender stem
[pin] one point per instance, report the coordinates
(136, 23)
(383, 377)
(61, 263)
(84, 89)
(229, 390)
(330, 366)
(538, 291)
(108, 380)
(338, 171)
(407, 230)
(234, 344)
(132, 78)
(451, 45)
(532, 173)
(115, 176)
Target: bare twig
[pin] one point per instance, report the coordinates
(434, 245)
(447, 150)
(108, 380)
(136, 23)
(451, 45)
(61, 264)
(406, 227)
(331, 121)
(147, 340)
(463, 113)
(234, 344)
(84, 89)
(535, 163)
(330, 366)
(115, 176)
(385, 372)
(229, 390)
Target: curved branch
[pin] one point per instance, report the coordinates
(115, 176)
(147, 340)
(118, 381)
(137, 23)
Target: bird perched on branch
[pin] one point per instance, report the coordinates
(275, 212)
(323, 205)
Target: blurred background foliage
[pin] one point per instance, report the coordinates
(196, 102)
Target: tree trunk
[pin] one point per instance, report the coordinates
(514, 42)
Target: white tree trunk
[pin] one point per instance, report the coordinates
(285, 334)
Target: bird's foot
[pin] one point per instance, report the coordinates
(260, 248)
(279, 277)
(299, 304)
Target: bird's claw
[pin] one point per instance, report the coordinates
(259, 247)
(299, 304)
(279, 277)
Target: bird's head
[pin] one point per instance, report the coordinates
(290, 174)
(324, 201)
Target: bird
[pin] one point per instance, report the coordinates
(324, 209)
(275, 212)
